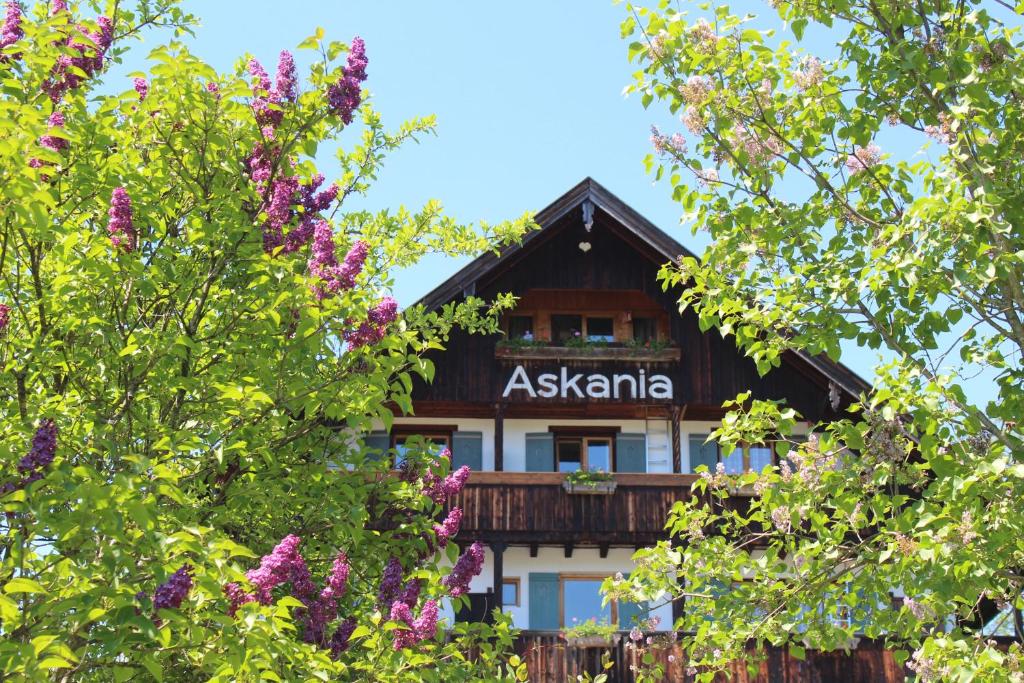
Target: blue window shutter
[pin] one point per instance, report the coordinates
(540, 452)
(544, 601)
(380, 442)
(630, 453)
(468, 449)
(703, 453)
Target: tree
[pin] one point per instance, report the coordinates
(194, 331)
(827, 228)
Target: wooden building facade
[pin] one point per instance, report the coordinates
(596, 369)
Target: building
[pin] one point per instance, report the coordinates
(599, 370)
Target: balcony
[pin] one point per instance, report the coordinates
(637, 354)
(549, 658)
(535, 508)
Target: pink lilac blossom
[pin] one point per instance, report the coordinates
(58, 6)
(285, 83)
(375, 327)
(707, 176)
(345, 96)
(693, 119)
(141, 87)
(264, 96)
(11, 31)
(703, 34)
(696, 89)
(759, 150)
(470, 564)
(5, 316)
(439, 490)
(810, 74)
(863, 158)
(426, 624)
(56, 143)
(90, 48)
(410, 595)
(279, 211)
(339, 641)
(447, 529)
(781, 519)
(324, 608)
(172, 592)
(284, 564)
(121, 228)
(400, 613)
(212, 87)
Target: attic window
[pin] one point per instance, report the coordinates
(564, 327)
(520, 326)
(645, 329)
(600, 329)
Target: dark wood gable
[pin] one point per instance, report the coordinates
(621, 257)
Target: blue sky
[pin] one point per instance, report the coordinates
(528, 97)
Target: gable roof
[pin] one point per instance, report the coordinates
(660, 243)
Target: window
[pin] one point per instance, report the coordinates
(574, 453)
(564, 327)
(434, 442)
(746, 459)
(645, 329)
(600, 330)
(510, 592)
(582, 600)
(520, 326)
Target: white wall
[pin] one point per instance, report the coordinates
(659, 448)
(518, 564)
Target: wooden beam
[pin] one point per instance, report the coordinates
(568, 549)
(499, 437)
(534, 547)
(603, 549)
(677, 449)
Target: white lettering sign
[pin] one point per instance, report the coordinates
(566, 385)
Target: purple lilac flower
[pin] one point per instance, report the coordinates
(410, 595)
(121, 228)
(279, 211)
(344, 96)
(141, 87)
(324, 608)
(58, 6)
(5, 316)
(455, 481)
(390, 581)
(283, 564)
(57, 144)
(44, 447)
(339, 641)
(11, 31)
(401, 613)
(313, 201)
(171, 593)
(352, 265)
(449, 527)
(426, 624)
(260, 167)
(89, 48)
(375, 327)
(286, 78)
(384, 312)
(237, 596)
(211, 86)
(470, 564)
(264, 96)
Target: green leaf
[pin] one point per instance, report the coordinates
(23, 585)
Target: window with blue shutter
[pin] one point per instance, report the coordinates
(468, 449)
(540, 452)
(703, 453)
(630, 453)
(544, 600)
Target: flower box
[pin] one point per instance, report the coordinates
(593, 641)
(597, 488)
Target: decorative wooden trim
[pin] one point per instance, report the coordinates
(577, 430)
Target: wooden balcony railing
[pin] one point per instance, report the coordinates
(533, 507)
(549, 658)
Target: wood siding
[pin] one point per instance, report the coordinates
(550, 659)
(711, 369)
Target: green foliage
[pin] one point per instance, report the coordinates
(206, 402)
(590, 627)
(588, 477)
(820, 235)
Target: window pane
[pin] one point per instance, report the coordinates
(569, 453)
(599, 455)
(582, 601)
(645, 329)
(760, 457)
(520, 326)
(733, 462)
(566, 327)
(600, 329)
(509, 593)
(400, 451)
